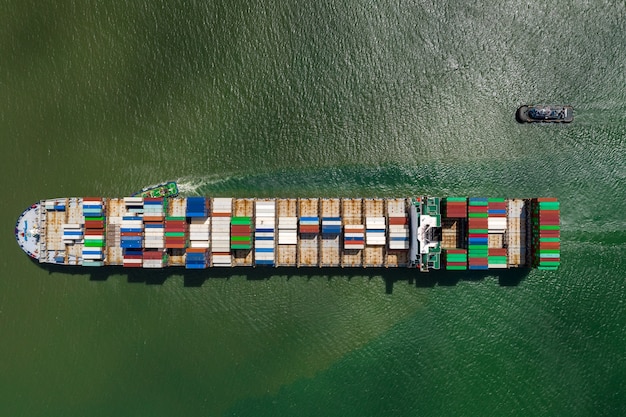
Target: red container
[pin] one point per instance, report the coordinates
(152, 255)
(478, 261)
(196, 250)
(549, 245)
(94, 232)
(133, 265)
(544, 199)
(550, 233)
(392, 220)
(456, 263)
(221, 215)
(94, 224)
(239, 230)
(497, 252)
(456, 251)
(309, 229)
(131, 234)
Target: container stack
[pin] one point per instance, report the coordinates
(154, 226)
(496, 210)
(375, 231)
(94, 242)
(196, 258)
(497, 258)
(398, 232)
(456, 207)
(241, 233)
(72, 233)
(456, 259)
(175, 232)
(478, 237)
(354, 236)
(287, 230)
(54, 205)
(133, 258)
(154, 258)
(220, 231)
(264, 232)
(197, 207)
(197, 211)
(131, 232)
(309, 225)
(331, 225)
(547, 233)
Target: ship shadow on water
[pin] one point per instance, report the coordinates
(390, 277)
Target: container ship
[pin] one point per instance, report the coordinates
(421, 232)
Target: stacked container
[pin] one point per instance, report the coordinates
(72, 233)
(478, 238)
(197, 207)
(398, 232)
(456, 207)
(287, 230)
(456, 259)
(133, 258)
(331, 225)
(131, 232)
(93, 247)
(154, 227)
(175, 232)
(220, 231)
(264, 232)
(354, 236)
(241, 233)
(154, 258)
(375, 231)
(196, 258)
(546, 233)
(496, 210)
(497, 258)
(197, 211)
(309, 225)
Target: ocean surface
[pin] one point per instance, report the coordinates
(315, 98)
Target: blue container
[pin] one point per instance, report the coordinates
(264, 250)
(268, 262)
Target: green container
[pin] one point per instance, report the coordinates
(96, 219)
(549, 227)
(478, 203)
(456, 258)
(176, 218)
(240, 238)
(240, 221)
(549, 205)
(478, 215)
(478, 231)
(497, 260)
(456, 199)
(549, 251)
(549, 263)
(240, 246)
(94, 244)
(479, 247)
(456, 268)
(174, 234)
(496, 200)
(549, 239)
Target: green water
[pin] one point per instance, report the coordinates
(298, 98)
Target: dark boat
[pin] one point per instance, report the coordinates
(545, 114)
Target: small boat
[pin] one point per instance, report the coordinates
(166, 189)
(545, 114)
